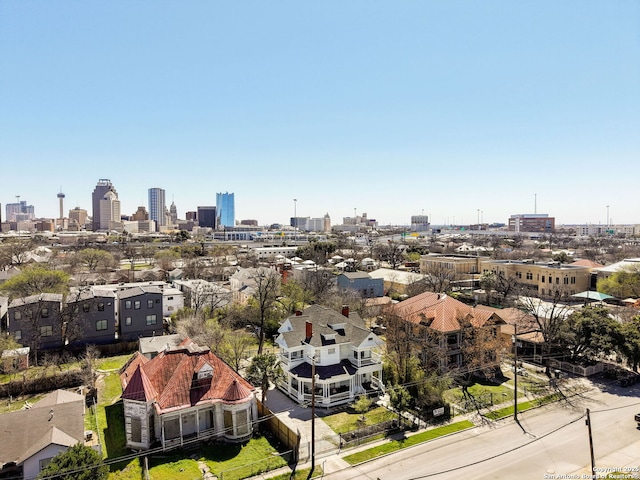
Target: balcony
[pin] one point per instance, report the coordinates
(374, 359)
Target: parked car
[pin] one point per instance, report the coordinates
(520, 371)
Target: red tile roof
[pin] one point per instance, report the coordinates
(441, 312)
(171, 381)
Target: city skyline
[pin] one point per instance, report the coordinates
(436, 108)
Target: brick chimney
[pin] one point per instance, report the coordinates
(345, 310)
(309, 330)
(298, 313)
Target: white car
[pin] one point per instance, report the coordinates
(520, 371)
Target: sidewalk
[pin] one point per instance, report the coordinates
(333, 461)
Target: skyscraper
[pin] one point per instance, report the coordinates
(157, 207)
(207, 217)
(109, 211)
(103, 186)
(173, 213)
(225, 209)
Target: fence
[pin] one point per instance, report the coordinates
(362, 435)
(282, 432)
(577, 369)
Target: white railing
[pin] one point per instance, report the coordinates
(374, 359)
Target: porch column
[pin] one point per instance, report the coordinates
(181, 439)
(198, 422)
(162, 430)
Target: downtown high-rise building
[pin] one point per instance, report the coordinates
(19, 212)
(103, 186)
(157, 207)
(225, 210)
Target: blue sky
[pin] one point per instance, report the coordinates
(390, 108)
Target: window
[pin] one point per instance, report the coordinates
(127, 321)
(169, 298)
(149, 303)
(557, 280)
(151, 319)
(44, 462)
(44, 313)
(101, 306)
(565, 280)
(101, 325)
(46, 331)
(332, 351)
(136, 430)
(127, 304)
(17, 334)
(136, 305)
(573, 280)
(17, 315)
(85, 307)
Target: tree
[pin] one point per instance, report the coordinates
(361, 406)
(204, 332)
(624, 283)
(320, 283)
(93, 258)
(166, 259)
(400, 400)
(235, 347)
(294, 297)
(317, 251)
(14, 251)
(438, 277)
(78, 462)
(264, 370)
(548, 316)
(267, 287)
(34, 280)
(629, 344)
(589, 333)
(392, 252)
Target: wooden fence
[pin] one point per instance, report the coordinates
(282, 432)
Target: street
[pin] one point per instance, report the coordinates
(551, 442)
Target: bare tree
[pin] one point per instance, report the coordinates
(439, 278)
(203, 332)
(267, 288)
(14, 251)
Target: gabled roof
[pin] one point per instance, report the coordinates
(329, 328)
(42, 297)
(441, 312)
(57, 418)
(137, 291)
(170, 380)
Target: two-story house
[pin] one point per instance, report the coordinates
(140, 312)
(338, 347)
(438, 327)
(362, 283)
(90, 316)
(36, 321)
(185, 393)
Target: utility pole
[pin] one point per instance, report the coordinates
(593, 461)
(515, 372)
(313, 415)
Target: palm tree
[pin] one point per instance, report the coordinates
(265, 369)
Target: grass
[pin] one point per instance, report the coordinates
(523, 406)
(396, 445)
(112, 363)
(499, 393)
(344, 422)
(18, 402)
(300, 474)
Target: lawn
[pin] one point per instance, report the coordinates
(523, 406)
(344, 422)
(18, 402)
(112, 363)
(395, 445)
(300, 474)
(485, 394)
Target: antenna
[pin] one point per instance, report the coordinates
(535, 203)
(17, 198)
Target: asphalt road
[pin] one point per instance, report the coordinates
(550, 443)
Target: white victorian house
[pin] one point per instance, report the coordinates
(343, 352)
(185, 393)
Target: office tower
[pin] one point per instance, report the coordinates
(103, 186)
(157, 207)
(191, 216)
(79, 215)
(140, 215)
(225, 209)
(207, 217)
(419, 223)
(109, 212)
(173, 213)
(19, 211)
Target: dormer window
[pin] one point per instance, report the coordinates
(205, 372)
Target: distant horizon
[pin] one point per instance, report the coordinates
(440, 108)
